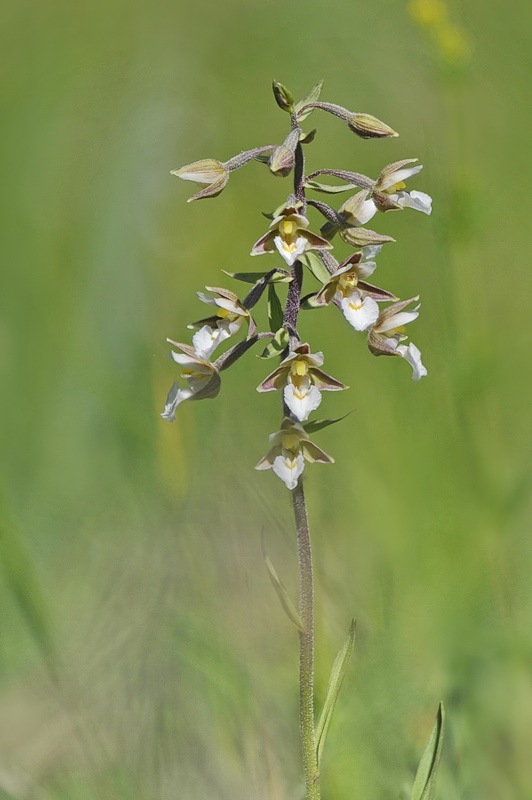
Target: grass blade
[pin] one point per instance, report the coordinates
(336, 678)
(425, 781)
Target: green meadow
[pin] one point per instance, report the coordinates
(143, 652)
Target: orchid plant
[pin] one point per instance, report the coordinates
(299, 377)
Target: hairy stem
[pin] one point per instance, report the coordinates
(306, 645)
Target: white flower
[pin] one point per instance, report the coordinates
(388, 192)
(288, 235)
(352, 294)
(386, 337)
(290, 448)
(390, 186)
(228, 320)
(301, 379)
(202, 377)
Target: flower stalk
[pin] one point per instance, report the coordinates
(298, 377)
(306, 645)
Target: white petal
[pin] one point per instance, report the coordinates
(291, 252)
(207, 339)
(360, 313)
(413, 356)
(206, 298)
(397, 320)
(289, 467)
(316, 359)
(174, 399)
(187, 361)
(419, 201)
(366, 268)
(229, 305)
(365, 211)
(371, 250)
(303, 399)
(399, 176)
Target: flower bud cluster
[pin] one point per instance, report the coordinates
(299, 378)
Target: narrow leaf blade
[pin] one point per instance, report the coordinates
(329, 188)
(246, 277)
(316, 266)
(336, 678)
(277, 344)
(282, 594)
(425, 780)
(319, 424)
(275, 309)
(311, 97)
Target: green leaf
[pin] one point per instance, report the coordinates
(264, 159)
(310, 302)
(336, 677)
(246, 277)
(425, 781)
(328, 188)
(253, 277)
(312, 97)
(282, 594)
(319, 424)
(316, 266)
(309, 137)
(277, 344)
(275, 309)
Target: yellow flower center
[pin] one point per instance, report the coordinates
(395, 188)
(348, 282)
(287, 229)
(229, 315)
(394, 331)
(299, 368)
(290, 441)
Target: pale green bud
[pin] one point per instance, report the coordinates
(369, 127)
(209, 171)
(283, 96)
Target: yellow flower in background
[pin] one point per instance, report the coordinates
(427, 12)
(451, 40)
(453, 43)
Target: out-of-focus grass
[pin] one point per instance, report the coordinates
(137, 548)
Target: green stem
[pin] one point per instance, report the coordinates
(306, 646)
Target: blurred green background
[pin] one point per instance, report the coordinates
(143, 653)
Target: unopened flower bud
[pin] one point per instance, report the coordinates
(369, 127)
(209, 171)
(282, 158)
(283, 96)
(362, 237)
(281, 161)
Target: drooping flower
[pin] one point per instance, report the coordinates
(301, 379)
(289, 449)
(288, 235)
(352, 294)
(390, 186)
(386, 337)
(387, 193)
(229, 318)
(202, 377)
